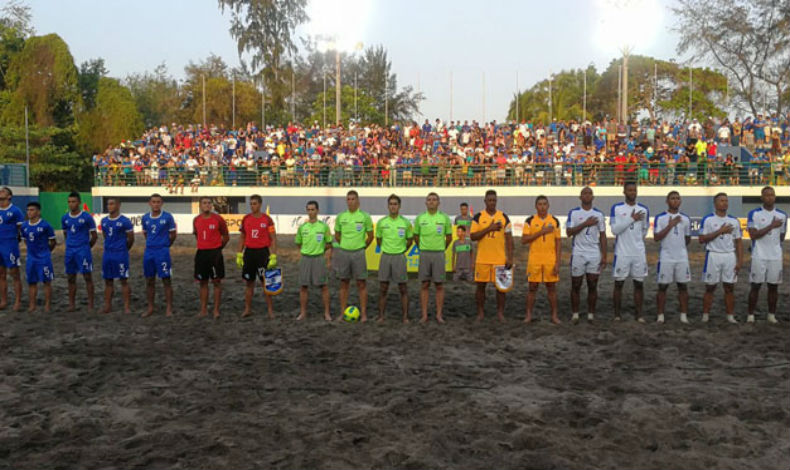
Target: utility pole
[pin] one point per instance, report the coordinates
(27, 150)
(337, 86)
(204, 101)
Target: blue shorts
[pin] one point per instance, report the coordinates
(9, 254)
(79, 260)
(39, 270)
(156, 262)
(115, 265)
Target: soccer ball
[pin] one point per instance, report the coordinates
(351, 314)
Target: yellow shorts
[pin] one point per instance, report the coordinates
(484, 273)
(541, 272)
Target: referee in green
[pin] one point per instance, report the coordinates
(394, 238)
(315, 242)
(433, 233)
(353, 232)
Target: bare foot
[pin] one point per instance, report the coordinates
(424, 320)
(271, 315)
(405, 320)
(169, 313)
(528, 320)
(106, 310)
(327, 317)
(500, 317)
(380, 319)
(202, 314)
(17, 306)
(302, 317)
(363, 319)
(479, 318)
(555, 320)
(3, 306)
(71, 308)
(47, 309)
(31, 309)
(246, 313)
(216, 314)
(439, 319)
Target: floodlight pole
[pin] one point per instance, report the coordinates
(233, 100)
(337, 86)
(204, 100)
(27, 150)
(518, 96)
(324, 123)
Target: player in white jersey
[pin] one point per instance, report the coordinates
(586, 225)
(767, 227)
(673, 229)
(721, 234)
(629, 221)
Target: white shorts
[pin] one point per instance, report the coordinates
(668, 272)
(585, 263)
(719, 267)
(633, 266)
(769, 271)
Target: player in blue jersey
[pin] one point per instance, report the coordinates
(40, 241)
(11, 218)
(79, 235)
(159, 231)
(118, 233)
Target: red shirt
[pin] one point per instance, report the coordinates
(209, 231)
(256, 230)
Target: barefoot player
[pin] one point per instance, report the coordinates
(394, 235)
(542, 233)
(257, 244)
(629, 221)
(314, 240)
(79, 235)
(353, 232)
(767, 228)
(40, 240)
(433, 233)
(673, 229)
(586, 226)
(159, 231)
(11, 218)
(493, 233)
(211, 233)
(721, 235)
(118, 233)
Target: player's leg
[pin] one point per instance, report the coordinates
(404, 301)
(576, 287)
(683, 299)
(203, 298)
(729, 301)
(707, 301)
(126, 290)
(661, 300)
(47, 296)
(167, 285)
(150, 295)
(424, 291)
(533, 288)
(32, 293)
(551, 291)
(480, 299)
(269, 302)
(385, 271)
(325, 299)
(639, 295)
(773, 298)
(217, 296)
(249, 290)
(754, 294)
(71, 280)
(89, 289)
(362, 289)
(344, 287)
(343, 271)
(303, 291)
(617, 298)
(108, 291)
(16, 279)
(383, 289)
(592, 295)
(3, 288)
(359, 271)
(500, 306)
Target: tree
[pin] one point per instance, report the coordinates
(42, 76)
(158, 96)
(748, 39)
(113, 118)
(375, 77)
(90, 73)
(365, 106)
(15, 27)
(266, 29)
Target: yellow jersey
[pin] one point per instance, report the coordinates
(491, 248)
(542, 250)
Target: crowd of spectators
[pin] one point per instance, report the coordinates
(455, 154)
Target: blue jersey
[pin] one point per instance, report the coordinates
(37, 237)
(157, 230)
(78, 229)
(10, 219)
(114, 231)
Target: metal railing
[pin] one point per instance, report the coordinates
(534, 174)
(13, 174)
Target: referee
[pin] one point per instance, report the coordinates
(394, 238)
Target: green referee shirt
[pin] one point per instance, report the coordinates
(393, 234)
(313, 238)
(432, 229)
(353, 228)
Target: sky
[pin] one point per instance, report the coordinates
(476, 49)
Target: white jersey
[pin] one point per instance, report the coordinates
(724, 243)
(769, 247)
(629, 234)
(588, 240)
(673, 246)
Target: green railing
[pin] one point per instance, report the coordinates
(537, 174)
(13, 174)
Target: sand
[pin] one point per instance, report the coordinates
(95, 391)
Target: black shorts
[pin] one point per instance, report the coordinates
(209, 264)
(255, 262)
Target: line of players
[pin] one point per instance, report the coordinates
(344, 253)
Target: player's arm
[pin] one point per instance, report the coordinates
(705, 238)
(508, 250)
(129, 239)
(52, 240)
(602, 243)
(338, 233)
(455, 255)
(94, 237)
(63, 229)
(528, 237)
(223, 231)
(242, 238)
(378, 236)
(738, 254)
(273, 238)
(173, 233)
(620, 224)
(476, 231)
(756, 234)
(368, 230)
(662, 234)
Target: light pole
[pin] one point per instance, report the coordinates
(337, 85)
(624, 100)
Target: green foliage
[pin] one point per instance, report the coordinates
(90, 73)
(158, 96)
(43, 77)
(114, 118)
(366, 107)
